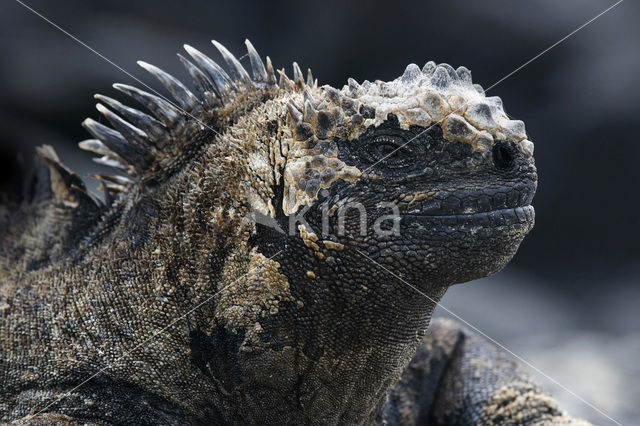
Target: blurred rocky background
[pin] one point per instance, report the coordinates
(569, 303)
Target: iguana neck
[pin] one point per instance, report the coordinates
(338, 339)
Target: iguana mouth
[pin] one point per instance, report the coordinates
(470, 204)
(487, 208)
(490, 219)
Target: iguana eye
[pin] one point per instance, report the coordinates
(388, 150)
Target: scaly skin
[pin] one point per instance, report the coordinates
(226, 278)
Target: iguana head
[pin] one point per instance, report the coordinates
(424, 174)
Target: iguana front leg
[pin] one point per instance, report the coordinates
(457, 377)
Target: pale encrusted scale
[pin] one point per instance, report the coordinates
(428, 96)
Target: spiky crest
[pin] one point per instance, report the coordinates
(148, 147)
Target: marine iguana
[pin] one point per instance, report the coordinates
(242, 267)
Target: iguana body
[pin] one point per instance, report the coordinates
(180, 299)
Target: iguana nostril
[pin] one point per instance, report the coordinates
(502, 155)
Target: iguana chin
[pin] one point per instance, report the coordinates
(229, 276)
